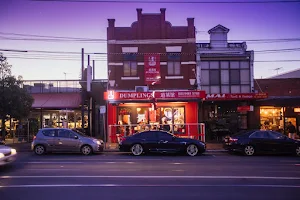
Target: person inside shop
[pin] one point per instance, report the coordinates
(291, 130)
(166, 126)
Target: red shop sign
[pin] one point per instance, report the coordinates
(245, 108)
(152, 69)
(112, 95)
(242, 96)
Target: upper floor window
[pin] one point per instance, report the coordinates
(173, 64)
(130, 65)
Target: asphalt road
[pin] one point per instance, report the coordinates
(122, 176)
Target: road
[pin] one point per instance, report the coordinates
(153, 177)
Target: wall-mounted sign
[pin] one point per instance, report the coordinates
(111, 95)
(152, 69)
(240, 96)
(245, 108)
(296, 109)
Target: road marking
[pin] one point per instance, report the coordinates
(176, 163)
(145, 185)
(178, 170)
(53, 162)
(159, 177)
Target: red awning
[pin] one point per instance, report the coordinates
(56, 100)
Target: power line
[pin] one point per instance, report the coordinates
(174, 2)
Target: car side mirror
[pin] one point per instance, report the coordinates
(76, 137)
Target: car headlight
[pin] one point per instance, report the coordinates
(1, 155)
(13, 151)
(96, 141)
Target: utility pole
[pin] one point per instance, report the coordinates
(82, 89)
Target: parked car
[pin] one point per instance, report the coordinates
(261, 141)
(65, 140)
(7, 154)
(162, 142)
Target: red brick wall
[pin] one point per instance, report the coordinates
(279, 87)
(151, 26)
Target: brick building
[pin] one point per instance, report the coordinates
(152, 75)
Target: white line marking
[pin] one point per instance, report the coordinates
(53, 162)
(176, 163)
(148, 185)
(178, 170)
(160, 177)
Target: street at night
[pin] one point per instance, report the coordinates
(113, 175)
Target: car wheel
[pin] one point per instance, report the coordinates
(39, 150)
(249, 150)
(192, 150)
(137, 149)
(86, 150)
(298, 151)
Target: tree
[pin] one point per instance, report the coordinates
(15, 101)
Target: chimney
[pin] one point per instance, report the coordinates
(191, 28)
(111, 29)
(111, 23)
(139, 23)
(163, 23)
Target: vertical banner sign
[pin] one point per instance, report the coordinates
(152, 69)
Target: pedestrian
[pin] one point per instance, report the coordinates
(291, 130)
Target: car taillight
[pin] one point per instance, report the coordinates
(34, 137)
(233, 140)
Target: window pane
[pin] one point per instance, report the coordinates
(214, 65)
(245, 76)
(244, 64)
(204, 77)
(133, 69)
(215, 89)
(170, 68)
(178, 114)
(235, 89)
(235, 77)
(126, 68)
(49, 133)
(245, 89)
(225, 89)
(63, 133)
(204, 65)
(224, 77)
(206, 89)
(234, 65)
(214, 77)
(224, 64)
(177, 68)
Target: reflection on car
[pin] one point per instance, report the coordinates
(65, 140)
(7, 154)
(261, 141)
(162, 142)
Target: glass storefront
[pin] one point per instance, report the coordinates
(145, 118)
(271, 118)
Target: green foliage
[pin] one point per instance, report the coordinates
(15, 101)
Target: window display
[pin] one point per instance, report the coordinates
(271, 118)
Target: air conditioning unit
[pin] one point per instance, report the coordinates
(141, 88)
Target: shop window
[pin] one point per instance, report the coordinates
(174, 64)
(271, 118)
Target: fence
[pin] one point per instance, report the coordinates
(188, 130)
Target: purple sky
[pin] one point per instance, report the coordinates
(89, 20)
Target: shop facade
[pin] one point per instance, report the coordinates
(132, 112)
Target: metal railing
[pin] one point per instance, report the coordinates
(187, 130)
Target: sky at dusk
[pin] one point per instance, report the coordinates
(89, 20)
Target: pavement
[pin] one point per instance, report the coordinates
(120, 176)
(112, 147)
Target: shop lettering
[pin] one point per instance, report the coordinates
(208, 96)
(135, 95)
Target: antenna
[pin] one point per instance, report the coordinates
(277, 69)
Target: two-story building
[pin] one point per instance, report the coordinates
(225, 73)
(152, 76)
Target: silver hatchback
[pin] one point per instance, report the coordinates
(65, 140)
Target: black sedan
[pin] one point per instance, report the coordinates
(262, 141)
(161, 142)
